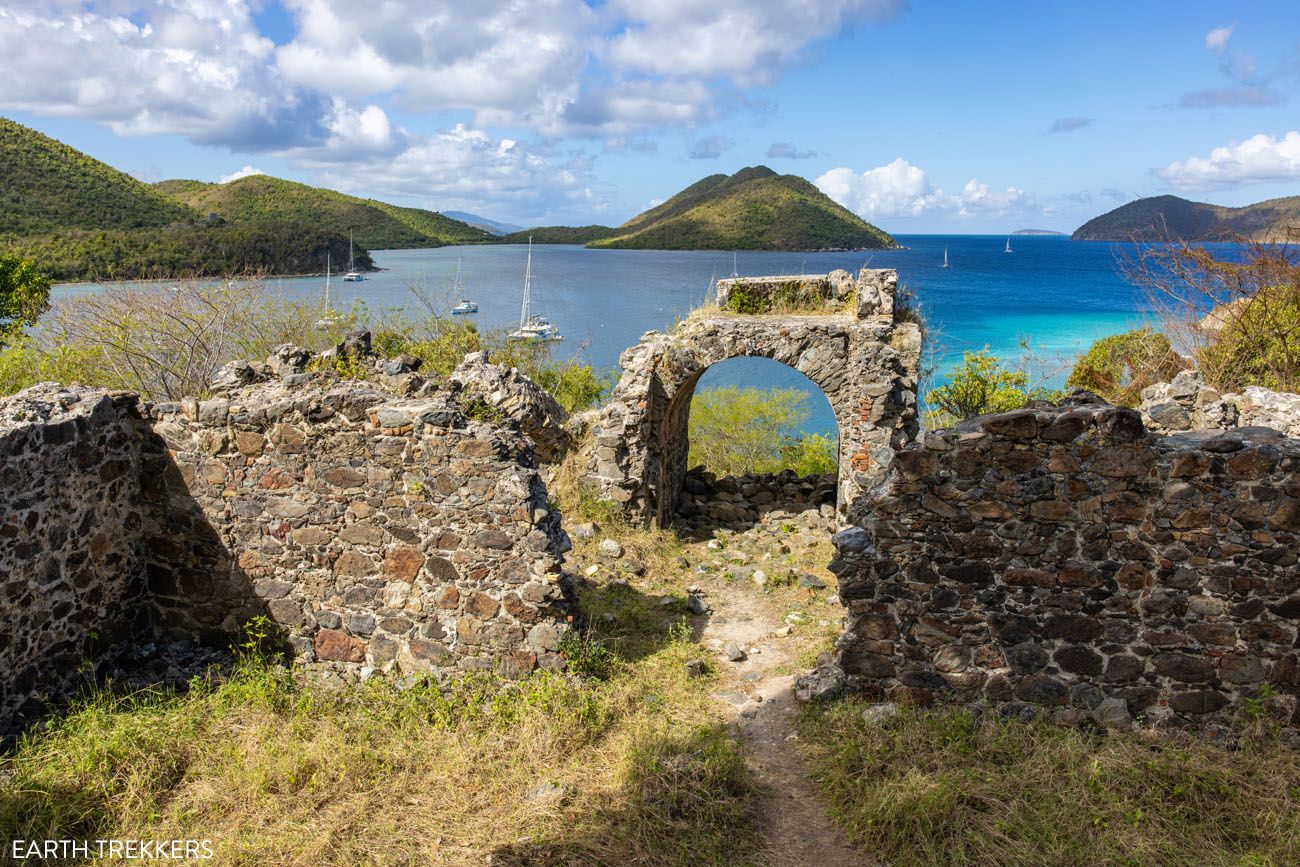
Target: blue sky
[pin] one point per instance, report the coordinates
(923, 117)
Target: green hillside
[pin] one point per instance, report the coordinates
(1161, 218)
(559, 235)
(375, 225)
(46, 185)
(754, 209)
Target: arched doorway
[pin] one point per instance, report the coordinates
(865, 362)
(755, 435)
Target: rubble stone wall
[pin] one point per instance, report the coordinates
(69, 537)
(1068, 557)
(866, 364)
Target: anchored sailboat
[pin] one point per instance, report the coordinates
(353, 275)
(533, 326)
(465, 306)
(331, 318)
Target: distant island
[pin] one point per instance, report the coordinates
(1037, 232)
(754, 209)
(495, 227)
(84, 220)
(1161, 218)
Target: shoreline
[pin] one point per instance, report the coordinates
(181, 280)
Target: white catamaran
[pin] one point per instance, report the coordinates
(465, 306)
(353, 275)
(533, 326)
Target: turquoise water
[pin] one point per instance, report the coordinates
(1058, 295)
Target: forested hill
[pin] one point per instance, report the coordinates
(559, 235)
(1160, 218)
(754, 209)
(46, 185)
(375, 225)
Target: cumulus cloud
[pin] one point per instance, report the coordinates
(900, 189)
(709, 147)
(784, 150)
(245, 172)
(1067, 124)
(1217, 39)
(896, 189)
(1259, 158)
(747, 41)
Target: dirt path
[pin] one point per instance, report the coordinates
(758, 693)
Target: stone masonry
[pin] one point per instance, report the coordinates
(70, 520)
(1068, 557)
(865, 362)
(377, 531)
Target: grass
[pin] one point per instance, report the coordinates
(944, 787)
(550, 769)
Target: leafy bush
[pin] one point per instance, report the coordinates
(24, 295)
(736, 430)
(982, 385)
(1118, 367)
(811, 454)
(1259, 344)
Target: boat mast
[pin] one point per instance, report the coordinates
(327, 282)
(528, 285)
(352, 266)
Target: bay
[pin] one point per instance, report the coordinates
(1055, 295)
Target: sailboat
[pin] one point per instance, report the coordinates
(1008, 249)
(735, 272)
(533, 326)
(945, 259)
(465, 306)
(330, 319)
(353, 275)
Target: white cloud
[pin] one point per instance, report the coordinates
(1217, 39)
(977, 198)
(463, 166)
(245, 172)
(1259, 158)
(900, 189)
(709, 148)
(893, 190)
(748, 41)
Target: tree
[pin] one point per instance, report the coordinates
(737, 430)
(1118, 367)
(980, 386)
(24, 295)
(1235, 310)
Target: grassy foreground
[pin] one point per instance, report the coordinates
(552, 769)
(948, 788)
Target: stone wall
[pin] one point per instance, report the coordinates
(378, 531)
(69, 537)
(1068, 557)
(1187, 403)
(374, 530)
(865, 363)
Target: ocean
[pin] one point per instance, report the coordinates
(1052, 295)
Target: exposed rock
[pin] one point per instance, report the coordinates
(520, 400)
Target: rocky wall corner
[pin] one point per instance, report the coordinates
(1070, 559)
(376, 523)
(71, 567)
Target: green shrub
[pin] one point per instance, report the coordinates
(1118, 367)
(811, 454)
(1258, 344)
(736, 430)
(24, 295)
(982, 385)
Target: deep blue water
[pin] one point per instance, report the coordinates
(1058, 295)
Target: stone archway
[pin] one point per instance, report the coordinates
(863, 358)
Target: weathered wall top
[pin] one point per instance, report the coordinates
(871, 294)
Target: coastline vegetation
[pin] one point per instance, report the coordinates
(735, 430)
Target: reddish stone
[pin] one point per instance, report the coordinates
(337, 646)
(403, 563)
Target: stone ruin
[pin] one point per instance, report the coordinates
(1069, 556)
(864, 357)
